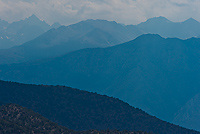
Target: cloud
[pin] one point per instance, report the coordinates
(123, 11)
(15, 10)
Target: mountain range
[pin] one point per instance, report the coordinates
(85, 34)
(17, 33)
(56, 42)
(75, 109)
(152, 73)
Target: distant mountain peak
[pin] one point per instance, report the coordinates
(161, 17)
(158, 19)
(3, 21)
(154, 22)
(56, 25)
(88, 20)
(99, 20)
(150, 36)
(33, 17)
(191, 20)
(34, 20)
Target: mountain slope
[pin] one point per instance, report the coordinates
(150, 72)
(19, 32)
(81, 110)
(17, 119)
(189, 115)
(85, 34)
(3, 24)
(56, 25)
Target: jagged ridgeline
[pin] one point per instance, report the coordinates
(81, 110)
(56, 42)
(17, 33)
(36, 42)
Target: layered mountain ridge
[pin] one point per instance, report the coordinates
(17, 33)
(56, 42)
(75, 109)
(89, 34)
(150, 72)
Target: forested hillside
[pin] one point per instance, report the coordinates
(81, 110)
(19, 120)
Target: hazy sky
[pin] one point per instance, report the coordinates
(122, 11)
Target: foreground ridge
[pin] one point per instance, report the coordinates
(82, 110)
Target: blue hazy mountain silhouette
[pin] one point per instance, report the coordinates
(3, 24)
(56, 25)
(166, 28)
(55, 42)
(155, 74)
(188, 116)
(19, 32)
(112, 71)
(89, 34)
